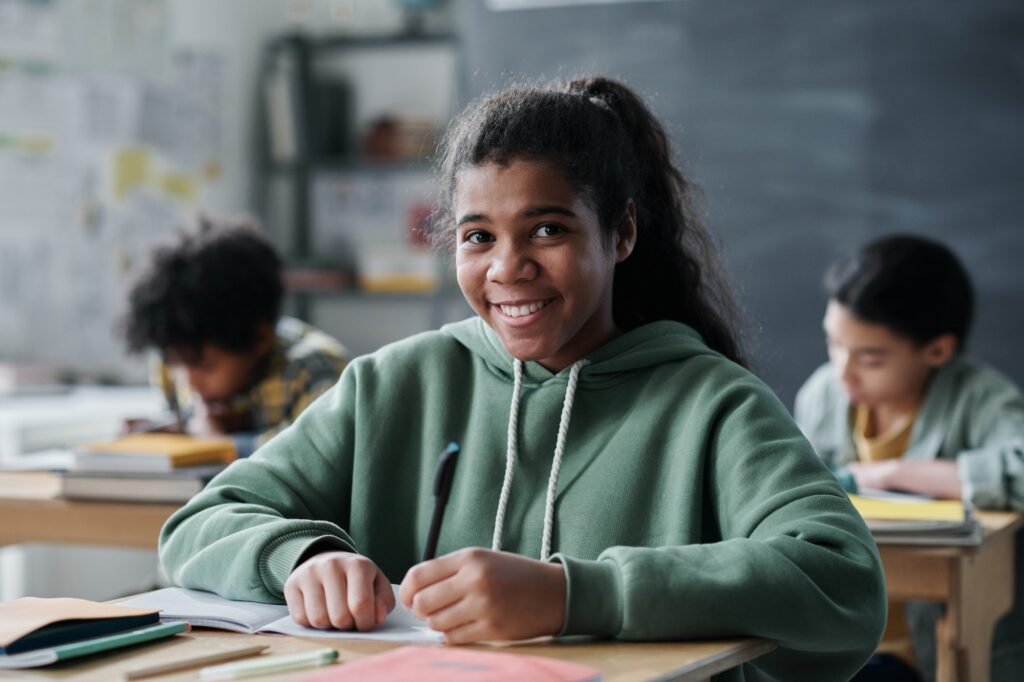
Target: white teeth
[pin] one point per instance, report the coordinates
(521, 310)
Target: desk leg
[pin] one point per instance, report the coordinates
(982, 592)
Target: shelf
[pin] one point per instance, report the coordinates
(354, 165)
(387, 41)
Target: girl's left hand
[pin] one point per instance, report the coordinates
(476, 594)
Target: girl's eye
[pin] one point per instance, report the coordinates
(549, 230)
(477, 237)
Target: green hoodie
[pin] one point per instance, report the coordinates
(688, 504)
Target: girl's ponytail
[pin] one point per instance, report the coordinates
(674, 271)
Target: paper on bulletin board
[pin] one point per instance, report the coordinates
(29, 33)
(508, 5)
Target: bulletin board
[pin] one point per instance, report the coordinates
(108, 139)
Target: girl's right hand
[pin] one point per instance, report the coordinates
(338, 590)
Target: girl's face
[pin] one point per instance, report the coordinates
(532, 262)
(877, 366)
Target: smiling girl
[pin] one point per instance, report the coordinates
(622, 474)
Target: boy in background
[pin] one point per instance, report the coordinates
(210, 304)
(899, 406)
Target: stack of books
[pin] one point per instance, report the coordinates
(37, 632)
(149, 467)
(910, 519)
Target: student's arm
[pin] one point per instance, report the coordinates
(242, 536)
(988, 473)
(795, 562)
(991, 470)
(934, 478)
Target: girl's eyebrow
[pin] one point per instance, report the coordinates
(473, 218)
(545, 210)
(528, 213)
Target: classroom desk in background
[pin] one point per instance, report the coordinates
(113, 524)
(975, 583)
(620, 662)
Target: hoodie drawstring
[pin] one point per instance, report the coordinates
(556, 463)
(510, 454)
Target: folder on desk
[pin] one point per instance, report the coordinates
(153, 452)
(36, 631)
(34, 622)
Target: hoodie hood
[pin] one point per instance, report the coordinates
(650, 345)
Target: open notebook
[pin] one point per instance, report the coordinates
(205, 609)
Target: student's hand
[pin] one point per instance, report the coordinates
(338, 590)
(217, 419)
(877, 475)
(475, 595)
(935, 478)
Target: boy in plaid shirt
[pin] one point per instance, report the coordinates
(211, 305)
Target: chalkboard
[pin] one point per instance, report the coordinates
(813, 127)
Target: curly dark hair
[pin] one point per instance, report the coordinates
(612, 149)
(915, 286)
(215, 286)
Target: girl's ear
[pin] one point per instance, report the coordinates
(625, 237)
(940, 350)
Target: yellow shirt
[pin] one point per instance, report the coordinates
(889, 445)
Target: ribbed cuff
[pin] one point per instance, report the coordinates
(593, 597)
(278, 559)
(981, 480)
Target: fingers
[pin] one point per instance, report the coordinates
(296, 605)
(338, 590)
(315, 604)
(362, 598)
(472, 631)
(335, 591)
(453, 616)
(430, 572)
(384, 597)
(436, 597)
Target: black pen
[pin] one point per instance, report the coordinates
(442, 487)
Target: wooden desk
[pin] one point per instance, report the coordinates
(975, 583)
(621, 662)
(80, 522)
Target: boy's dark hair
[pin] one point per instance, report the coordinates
(915, 286)
(612, 149)
(214, 286)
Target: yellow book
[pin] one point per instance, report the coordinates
(881, 509)
(904, 520)
(153, 452)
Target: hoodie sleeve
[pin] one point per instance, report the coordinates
(992, 467)
(792, 560)
(242, 536)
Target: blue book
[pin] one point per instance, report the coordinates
(85, 647)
